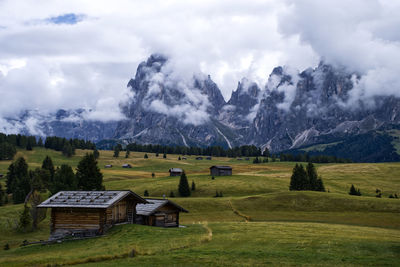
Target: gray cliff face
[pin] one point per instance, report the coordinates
(292, 110)
(167, 113)
(318, 113)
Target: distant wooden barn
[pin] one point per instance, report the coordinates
(159, 212)
(175, 172)
(220, 170)
(89, 213)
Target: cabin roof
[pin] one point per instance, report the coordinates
(153, 205)
(221, 167)
(87, 199)
(175, 170)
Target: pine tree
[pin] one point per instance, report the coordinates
(164, 156)
(116, 152)
(64, 180)
(153, 175)
(320, 185)
(29, 145)
(18, 180)
(299, 179)
(179, 158)
(7, 151)
(127, 154)
(40, 142)
(183, 188)
(2, 195)
(171, 194)
(96, 153)
(157, 154)
(353, 191)
(312, 177)
(193, 186)
(145, 156)
(146, 193)
(24, 219)
(88, 174)
(68, 150)
(48, 165)
(37, 214)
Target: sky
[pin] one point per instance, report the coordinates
(81, 54)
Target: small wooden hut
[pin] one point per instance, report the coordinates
(159, 212)
(175, 172)
(126, 165)
(89, 213)
(220, 170)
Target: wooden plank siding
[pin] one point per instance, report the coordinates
(74, 218)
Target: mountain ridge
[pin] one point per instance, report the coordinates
(292, 110)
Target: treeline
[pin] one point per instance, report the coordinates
(67, 146)
(315, 159)
(306, 179)
(26, 186)
(9, 144)
(216, 151)
(20, 180)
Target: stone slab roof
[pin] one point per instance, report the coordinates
(153, 205)
(87, 199)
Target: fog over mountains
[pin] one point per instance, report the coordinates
(292, 110)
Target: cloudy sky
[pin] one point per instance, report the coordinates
(73, 54)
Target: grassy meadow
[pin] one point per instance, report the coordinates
(257, 222)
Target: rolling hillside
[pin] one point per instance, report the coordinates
(257, 222)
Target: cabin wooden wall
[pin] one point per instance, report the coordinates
(76, 219)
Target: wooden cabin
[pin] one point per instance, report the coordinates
(159, 212)
(220, 170)
(175, 172)
(126, 165)
(89, 213)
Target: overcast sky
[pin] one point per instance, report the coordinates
(73, 54)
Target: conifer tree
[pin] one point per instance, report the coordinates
(171, 194)
(24, 219)
(18, 180)
(183, 188)
(64, 179)
(116, 152)
(312, 177)
(127, 153)
(2, 195)
(40, 142)
(353, 191)
(299, 179)
(320, 185)
(193, 186)
(47, 164)
(145, 156)
(29, 145)
(164, 156)
(7, 151)
(88, 174)
(146, 193)
(96, 153)
(68, 150)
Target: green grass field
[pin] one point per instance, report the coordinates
(257, 222)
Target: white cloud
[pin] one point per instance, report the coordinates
(360, 35)
(86, 63)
